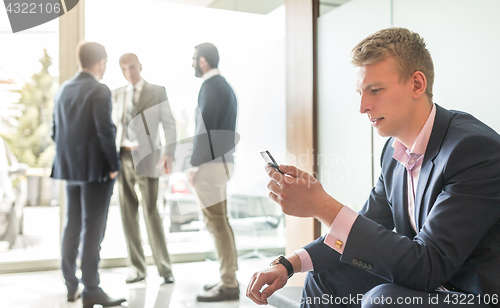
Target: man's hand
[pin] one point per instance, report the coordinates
(112, 175)
(165, 163)
(300, 194)
(275, 277)
(169, 161)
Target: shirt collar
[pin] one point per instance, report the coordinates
(90, 73)
(420, 145)
(211, 73)
(422, 140)
(138, 86)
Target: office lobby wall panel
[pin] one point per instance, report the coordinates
(345, 135)
(462, 37)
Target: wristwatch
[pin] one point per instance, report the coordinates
(283, 261)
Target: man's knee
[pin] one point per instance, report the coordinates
(308, 280)
(314, 286)
(379, 296)
(391, 295)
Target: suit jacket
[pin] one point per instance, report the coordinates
(215, 122)
(83, 131)
(457, 210)
(154, 105)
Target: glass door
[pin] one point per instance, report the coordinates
(29, 209)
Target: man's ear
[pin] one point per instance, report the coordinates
(419, 84)
(102, 63)
(203, 63)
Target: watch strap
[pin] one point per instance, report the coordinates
(284, 261)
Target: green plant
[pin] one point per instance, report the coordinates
(31, 142)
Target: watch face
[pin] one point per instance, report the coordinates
(275, 261)
(283, 261)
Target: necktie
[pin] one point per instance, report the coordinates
(129, 115)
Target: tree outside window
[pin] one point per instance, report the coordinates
(29, 138)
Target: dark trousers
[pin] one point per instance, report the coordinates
(86, 215)
(349, 286)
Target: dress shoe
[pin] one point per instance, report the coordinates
(210, 286)
(74, 296)
(219, 293)
(168, 279)
(101, 299)
(134, 279)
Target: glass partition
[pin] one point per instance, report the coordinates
(251, 48)
(29, 215)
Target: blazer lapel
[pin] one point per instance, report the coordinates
(439, 130)
(144, 98)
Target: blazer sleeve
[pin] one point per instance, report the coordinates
(168, 123)
(101, 111)
(464, 212)
(211, 106)
(376, 208)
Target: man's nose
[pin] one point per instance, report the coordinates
(364, 104)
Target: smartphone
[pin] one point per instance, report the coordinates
(270, 160)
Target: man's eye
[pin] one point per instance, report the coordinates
(376, 90)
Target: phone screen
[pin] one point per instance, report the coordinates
(270, 160)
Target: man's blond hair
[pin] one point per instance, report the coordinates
(407, 48)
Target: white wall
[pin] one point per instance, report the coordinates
(344, 141)
(463, 38)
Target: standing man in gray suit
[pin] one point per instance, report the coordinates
(139, 110)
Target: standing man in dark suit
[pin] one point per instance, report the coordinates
(86, 158)
(142, 165)
(213, 161)
(429, 233)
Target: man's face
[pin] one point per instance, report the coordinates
(387, 101)
(131, 69)
(196, 65)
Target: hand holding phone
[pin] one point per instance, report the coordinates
(270, 160)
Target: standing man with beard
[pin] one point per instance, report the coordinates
(130, 102)
(213, 161)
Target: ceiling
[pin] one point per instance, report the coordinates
(253, 6)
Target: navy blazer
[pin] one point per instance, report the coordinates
(457, 210)
(218, 109)
(83, 131)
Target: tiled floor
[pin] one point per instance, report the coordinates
(46, 289)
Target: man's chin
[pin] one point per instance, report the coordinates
(382, 133)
